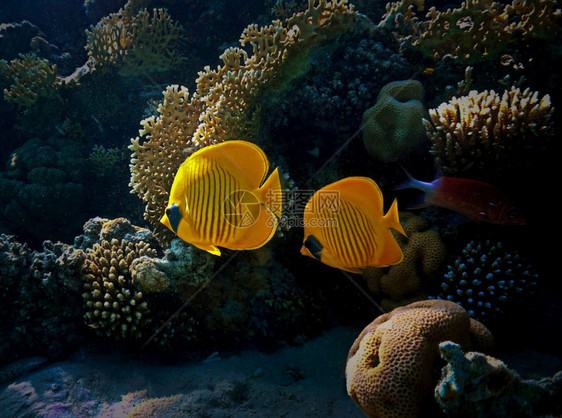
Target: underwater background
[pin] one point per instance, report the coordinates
(105, 312)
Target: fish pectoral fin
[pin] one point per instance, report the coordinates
(209, 248)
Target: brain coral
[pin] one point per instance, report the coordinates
(424, 256)
(393, 127)
(390, 365)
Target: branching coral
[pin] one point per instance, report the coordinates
(225, 104)
(486, 279)
(480, 134)
(477, 30)
(29, 78)
(134, 40)
(114, 306)
(389, 371)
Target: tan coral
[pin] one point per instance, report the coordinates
(393, 127)
(226, 102)
(479, 134)
(424, 255)
(477, 30)
(390, 366)
(114, 305)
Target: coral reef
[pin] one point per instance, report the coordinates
(477, 30)
(389, 370)
(135, 41)
(41, 186)
(39, 294)
(225, 104)
(114, 306)
(424, 257)
(488, 279)
(393, 127)
(477, 385)
(487, 135)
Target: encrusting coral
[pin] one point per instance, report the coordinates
(487, 279)
(393, 127)
(477, 385)
(225, 104)
(483, 133)
(424, 257)
(390, 366)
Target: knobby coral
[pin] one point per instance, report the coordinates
(390, 365)
(114, 306)
(393, 127)
(424, 255)
(487, 279)
(482, 133)
(225, 104)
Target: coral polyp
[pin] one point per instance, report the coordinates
(487, 278)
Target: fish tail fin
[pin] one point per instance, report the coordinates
(392, 219)
(272, 193)
(413, 183)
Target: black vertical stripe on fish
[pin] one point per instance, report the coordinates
(338, 239)
(347, 237)
(364, 229)
(204, 200)
(357, 242)
(221, 207)
(314, 246)
(217, 218)
(210, 209)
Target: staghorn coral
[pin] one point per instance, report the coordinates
(476, 385)
(393, 127)
(487, 279)
(424, 255)
(225, 104)
(477, 30)
(135, 41)
(482, 134)
(389, 371)
(114, 306)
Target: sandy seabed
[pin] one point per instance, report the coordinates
(300, 381)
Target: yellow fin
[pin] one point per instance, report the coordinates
(272, 193)
(362, 191)
(392, 220)
(209, 248)
(243, 159)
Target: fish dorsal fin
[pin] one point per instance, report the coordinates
(241, 158)
(363, 191)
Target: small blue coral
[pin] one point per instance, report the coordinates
(487, 278)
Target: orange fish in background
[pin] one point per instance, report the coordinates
(345, 227)
(477, 200)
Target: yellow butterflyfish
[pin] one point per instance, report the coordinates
(345, 227)
(219, 198)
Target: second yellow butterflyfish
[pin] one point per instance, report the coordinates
(345, 226)
(219, 198)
